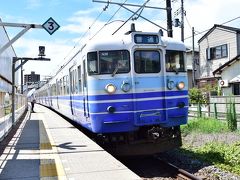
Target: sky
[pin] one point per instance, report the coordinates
(79, 20)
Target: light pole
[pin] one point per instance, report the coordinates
(14, 69)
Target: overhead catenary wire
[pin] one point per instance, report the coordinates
(109, 20)
(144, 4)
(84, 34)
(204, 31)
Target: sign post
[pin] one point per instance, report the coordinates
(14, 69)
(50, 26)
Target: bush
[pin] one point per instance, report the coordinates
(197, 96)
(231, 115)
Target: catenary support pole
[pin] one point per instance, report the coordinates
(169, 18)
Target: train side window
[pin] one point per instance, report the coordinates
(147, 61)
(58, 87)
(61, 86)
(79, 79)
(64, 85)
(67, 84)
(72, 89)
(84, 74)
(92, 63)
(54, 90)
(75, 81)
(175, 61)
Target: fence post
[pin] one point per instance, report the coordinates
(215, 110)
(199, 110)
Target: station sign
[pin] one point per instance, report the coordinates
(51, 26)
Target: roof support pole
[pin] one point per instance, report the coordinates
(26, 28)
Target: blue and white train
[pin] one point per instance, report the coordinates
(130, 90)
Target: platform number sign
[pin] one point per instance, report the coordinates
(50, 26)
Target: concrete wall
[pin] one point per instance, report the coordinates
(229, 73)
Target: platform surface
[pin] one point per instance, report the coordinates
(46, 146)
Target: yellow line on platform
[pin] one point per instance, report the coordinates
(50, 162)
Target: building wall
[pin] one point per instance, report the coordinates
(215, 38)
(229, 73)
(30, 78)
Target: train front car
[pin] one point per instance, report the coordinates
(135, 102)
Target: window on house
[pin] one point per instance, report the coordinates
(236, 89)
(217, 52)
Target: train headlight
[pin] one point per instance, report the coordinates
(180, 85)
(110, 88)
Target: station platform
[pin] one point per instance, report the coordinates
(45, 146)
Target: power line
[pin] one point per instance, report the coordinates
(210, 28)
(109, 20)
(84, 34)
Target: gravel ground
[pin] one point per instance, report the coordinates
(194, 166)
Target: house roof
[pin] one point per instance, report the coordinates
(227, 64)
(221, 27)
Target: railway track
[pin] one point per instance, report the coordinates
(181, 173)
(155, 168)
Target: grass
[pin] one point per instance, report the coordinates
(222, 155)
(204, 125)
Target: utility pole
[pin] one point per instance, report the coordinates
(193, 58)
(21, 78)
(169, 18)
(182, 21)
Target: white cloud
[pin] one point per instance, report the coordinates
(57, 51)
(203, 14)
(32, 4)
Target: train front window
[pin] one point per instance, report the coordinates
(147, 61)
(92, 63)
(114, 62)
(175, 61)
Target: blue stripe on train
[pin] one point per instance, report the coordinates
(128, 96)
(129, 105)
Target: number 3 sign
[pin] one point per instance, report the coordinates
(50, 26)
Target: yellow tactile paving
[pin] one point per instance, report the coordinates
(50, 163)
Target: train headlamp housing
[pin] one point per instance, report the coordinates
(180, 85)
(126, 86)
(110, 88)
(170, 84)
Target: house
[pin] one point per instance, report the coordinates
(230, 77)
(218, 46)
(189, 65)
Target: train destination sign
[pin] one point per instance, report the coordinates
(51, 26)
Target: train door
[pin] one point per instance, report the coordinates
(148, 84)
(50, 95)
(57, 93)
(72, 89)
(85, 91)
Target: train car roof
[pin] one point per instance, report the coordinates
(173, 44)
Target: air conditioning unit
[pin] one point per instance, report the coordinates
(223, 83)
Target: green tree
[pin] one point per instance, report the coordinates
(197, 96)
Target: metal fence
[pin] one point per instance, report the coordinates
(6, 120)
(217, 108)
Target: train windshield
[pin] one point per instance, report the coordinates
(175, 61)
(147, 61)
(110, 62)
